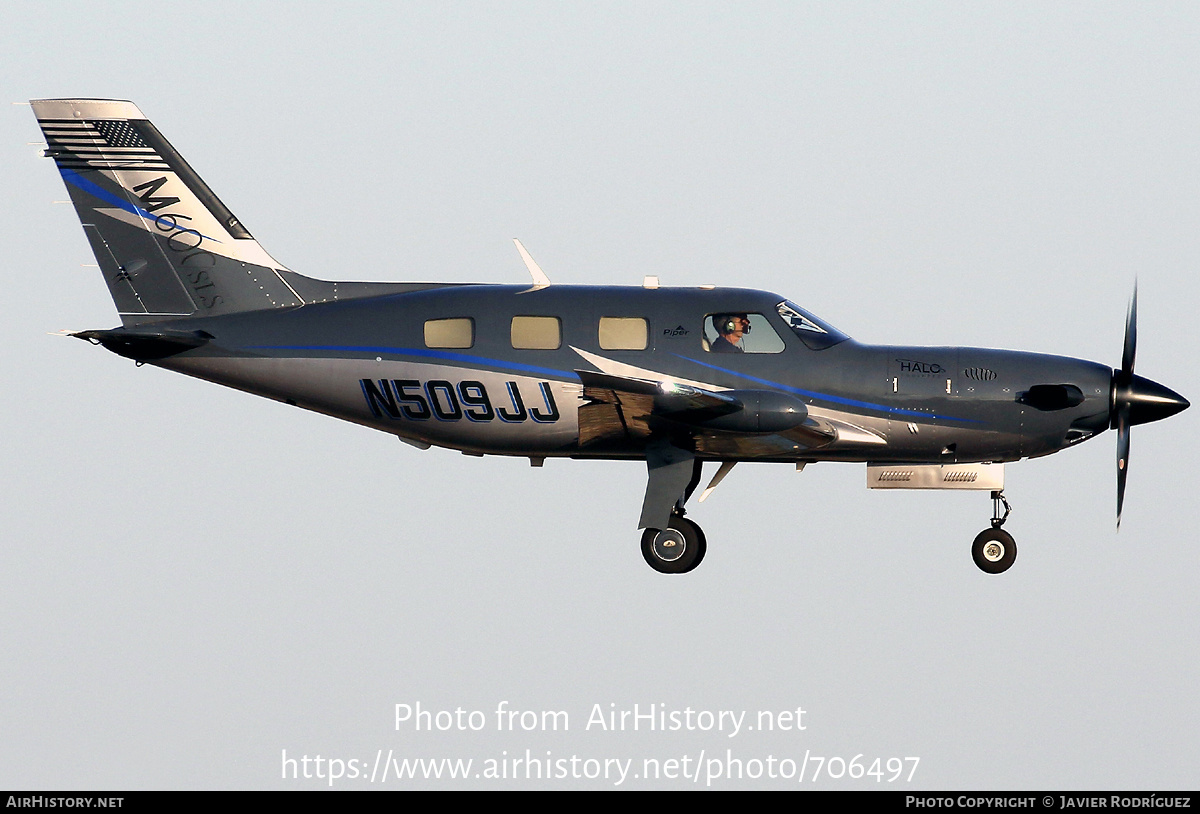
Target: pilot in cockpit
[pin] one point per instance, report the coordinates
(730, 329)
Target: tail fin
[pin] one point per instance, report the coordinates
(166, 244)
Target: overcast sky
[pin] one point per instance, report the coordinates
(196, 584)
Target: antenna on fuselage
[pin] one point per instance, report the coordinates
(540, 280)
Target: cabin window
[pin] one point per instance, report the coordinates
(624, 333)
(740, 332)
(450, 333)
(537, 333)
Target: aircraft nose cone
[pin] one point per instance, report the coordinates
(1150, 401)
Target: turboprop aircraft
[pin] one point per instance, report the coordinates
(674, 377)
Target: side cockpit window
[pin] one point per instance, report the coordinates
(740, 332)
(450, 333)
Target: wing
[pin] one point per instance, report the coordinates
(620, 410)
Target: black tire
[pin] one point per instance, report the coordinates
(689, 537)
(994, 551)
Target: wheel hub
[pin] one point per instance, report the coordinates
(993, 551)
(669, 545)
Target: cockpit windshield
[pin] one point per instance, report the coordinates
(815, 333)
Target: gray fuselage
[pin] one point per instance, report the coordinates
(367, 360)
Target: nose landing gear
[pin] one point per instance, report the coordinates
(994, 550)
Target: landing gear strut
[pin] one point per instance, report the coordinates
(994, 550)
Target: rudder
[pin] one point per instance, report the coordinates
(167, 246)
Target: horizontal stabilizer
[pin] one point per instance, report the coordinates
(146, 345)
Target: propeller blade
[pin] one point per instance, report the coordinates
(1122, 458)
(1130, 350)
(1135, 400)
(1122, 400)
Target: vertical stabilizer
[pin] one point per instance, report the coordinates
(167, 246)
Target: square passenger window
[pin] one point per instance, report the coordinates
(739, 332)
(624, 333)
(537, 333)
(450, 333)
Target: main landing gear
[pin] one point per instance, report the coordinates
(994, 550)
(676, 549)
(671, 544)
